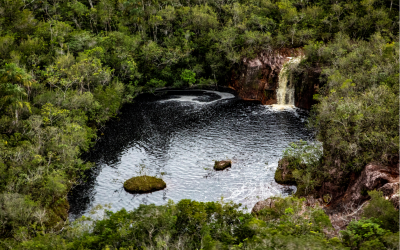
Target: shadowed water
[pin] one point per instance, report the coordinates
(179, 136)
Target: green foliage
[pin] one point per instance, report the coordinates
(195, 225)
(291, 217)
(382, 212)
(303, 163)
(66, 67)
(188, 76)
(356, 117)
(364, 234)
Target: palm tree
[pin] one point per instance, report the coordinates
(13, 79)
(14, 74)
(12, 97)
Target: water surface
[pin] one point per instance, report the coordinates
(178, 136)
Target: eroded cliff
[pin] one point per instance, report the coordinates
(258, 78)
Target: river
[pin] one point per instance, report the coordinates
(178, 136)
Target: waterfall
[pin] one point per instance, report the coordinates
(285, 91)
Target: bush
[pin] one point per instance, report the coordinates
(364, 232)
(382, 212)
(188, 76)
(303, 163)
(197, 225)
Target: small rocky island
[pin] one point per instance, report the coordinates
(221, 165)
(283, 174)
(144, 184)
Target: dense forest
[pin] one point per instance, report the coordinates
(67, 66)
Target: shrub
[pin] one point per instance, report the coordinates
(382, 212)
(303, 162)
(363, 232)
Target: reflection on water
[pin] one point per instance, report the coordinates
(179, 135)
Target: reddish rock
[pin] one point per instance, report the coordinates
(306, 87)
(340, 220)
(389, 189)
(373, 176)
(257, 79)
(391, 192)
(352, 195)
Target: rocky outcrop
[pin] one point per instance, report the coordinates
(268, 203)
(391, 192)
(340, 220)
(374, 176)
(307, 85)
(257, 79)
(283, 175)
(351, 205)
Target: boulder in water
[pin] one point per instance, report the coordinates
(283, 175)
(144, 184)
(221, 165)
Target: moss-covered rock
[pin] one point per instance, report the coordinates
(221, 165)
(144, 184)
(283, 175)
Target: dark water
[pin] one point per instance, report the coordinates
(178, 136)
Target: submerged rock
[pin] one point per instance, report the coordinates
(221, 165)
(144, 184)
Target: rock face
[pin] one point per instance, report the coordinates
(221, 165)
(349, 200)
(258, 79)
(374, 176)
(144, 184)
(306, 86)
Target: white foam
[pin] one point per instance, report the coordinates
(282, 107)
(187, 98)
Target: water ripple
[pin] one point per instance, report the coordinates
(179, 136)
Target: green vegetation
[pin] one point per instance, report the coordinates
(378, 230)
(144, 184)
(288, 224)
(221, 165)
(301, 164)
(67, 66)
(382, 212)
(356, 117)
(365, 234)
(198, 225)
(357, 114)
